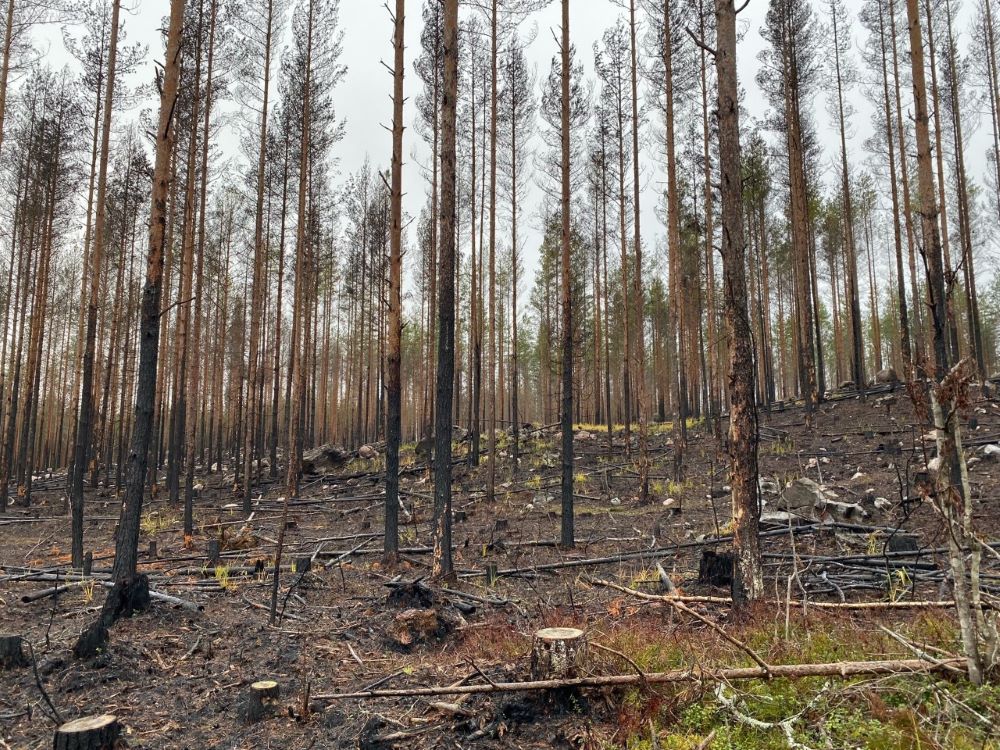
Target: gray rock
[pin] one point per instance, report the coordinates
(801, 494)
(841, 511)
(887, 376)
(769, 487)
(325, 458)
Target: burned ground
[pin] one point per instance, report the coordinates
(179, 678)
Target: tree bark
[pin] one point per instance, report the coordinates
(444, 399)
(394, 426)
(742, 405)
(126, 549)
(85, 412)
(259, 250)
(567, 532)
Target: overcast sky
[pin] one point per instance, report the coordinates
(362, 98)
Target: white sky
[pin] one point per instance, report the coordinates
(363, 98)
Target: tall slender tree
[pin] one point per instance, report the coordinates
(393, 429)
(748, 584)
(85, 410)
(127, 545)
(444, 398)
(788, 77)
(567, 535)
(842, 73)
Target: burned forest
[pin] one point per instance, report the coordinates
(444, 374)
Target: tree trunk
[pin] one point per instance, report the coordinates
(742, 406)
(259, 250)
(393, 429)
(85, 413)
(567, 532)
(126, 548)
(638, 295)
(952, 496)
(442, 564)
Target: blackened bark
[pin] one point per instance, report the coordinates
(442, 565)
(128, 535)
(394, 417)
(85, 414)
(742, 405)
(568, 534)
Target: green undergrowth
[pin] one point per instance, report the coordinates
(908, 712)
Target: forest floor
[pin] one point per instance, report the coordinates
(179, 679)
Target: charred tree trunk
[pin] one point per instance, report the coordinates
(126, 549)
(444, 396)
(742, 406)
(86, 407)
(394, 417)
(567, 536)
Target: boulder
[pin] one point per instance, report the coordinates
(887, 376)
(367, 452)
(424, 449)
(324, 459)
(582, 436)
(841, 511)
(802, 494)
(992, 453)
(769, 487)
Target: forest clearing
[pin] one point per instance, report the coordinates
(622, 377)
(177, 678)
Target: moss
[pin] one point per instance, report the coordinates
(912, 712)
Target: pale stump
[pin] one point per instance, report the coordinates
(558, 653)
(88, 733)
(261, 700)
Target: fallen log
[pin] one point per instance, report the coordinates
(671, 598)
(157, 595)
(182, 603)
(841, 669)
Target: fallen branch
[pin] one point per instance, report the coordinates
(841, 669)
(671, 598)
(160, 597)
(681, 606)
(488, 600)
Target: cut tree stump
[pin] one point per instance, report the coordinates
(88, 733)
(12, 652)
(492, 574)
(303, 564)
(558, 653)
(716, 568)
(213, 552)
(261, 700)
